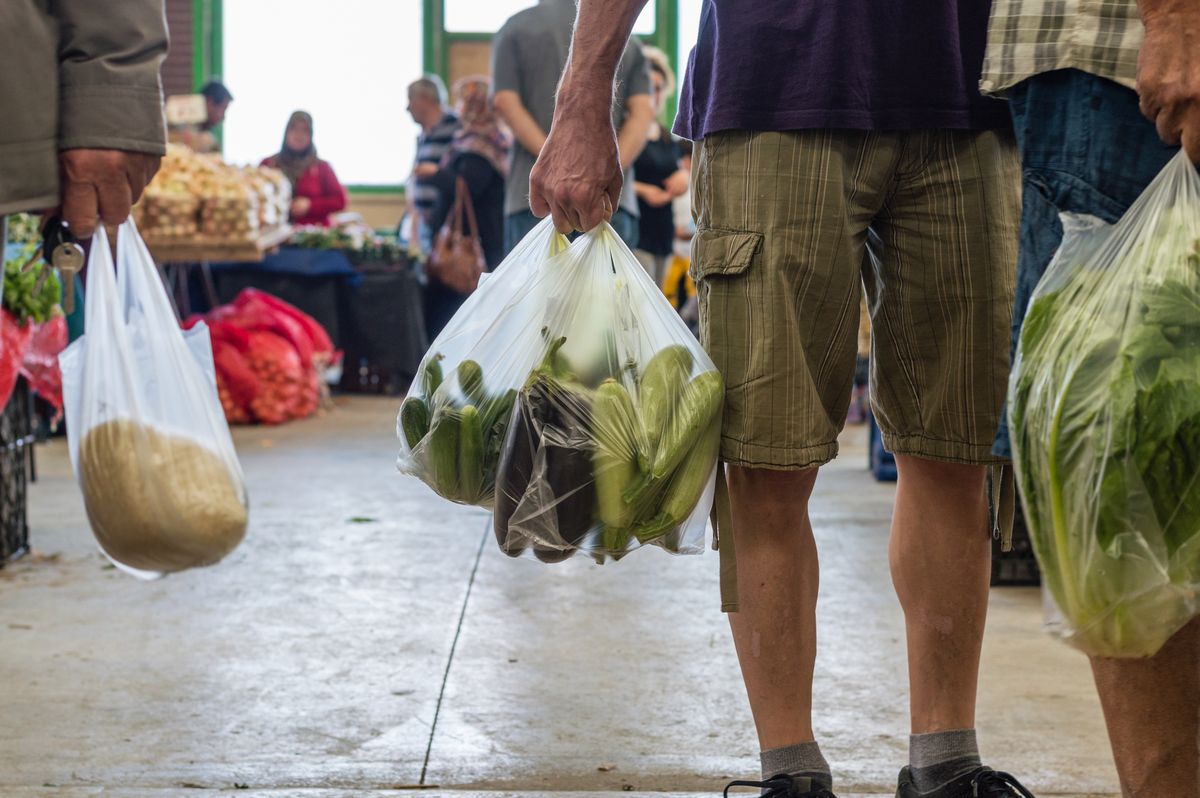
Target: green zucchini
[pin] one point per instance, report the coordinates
(414, 420)
(699, 405)
(470, 455)
(661, 391)
(615, 457)
(686, 487)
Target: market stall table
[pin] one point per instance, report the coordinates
(179, 258)
(373, 311)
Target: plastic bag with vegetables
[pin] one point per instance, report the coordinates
(1105, 418)
(567, 395)
(148, 440)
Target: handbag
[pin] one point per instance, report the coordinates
(457, 258)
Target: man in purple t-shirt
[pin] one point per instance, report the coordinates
(818, 123)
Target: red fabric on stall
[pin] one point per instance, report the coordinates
(14, 340)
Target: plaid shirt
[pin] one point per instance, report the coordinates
(1028, 37)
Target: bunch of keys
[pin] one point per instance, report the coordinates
(65, 255)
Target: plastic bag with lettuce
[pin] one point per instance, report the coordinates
(1105, 417)
(567, 395)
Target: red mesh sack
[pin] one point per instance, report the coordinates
(40, 365)
(317, 336)
(14, 340)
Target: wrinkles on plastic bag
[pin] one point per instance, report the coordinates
(552, 353)
(1104, 409)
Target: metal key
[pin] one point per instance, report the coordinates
(65, 255)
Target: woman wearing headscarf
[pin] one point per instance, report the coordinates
(316, 191)
(478, 154)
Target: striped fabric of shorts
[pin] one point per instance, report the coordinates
(793, 226)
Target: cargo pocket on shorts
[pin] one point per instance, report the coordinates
(723, 253)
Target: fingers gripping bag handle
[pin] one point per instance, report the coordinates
(452, 422)
(151, 450)
(615, 432)
(1104, 410)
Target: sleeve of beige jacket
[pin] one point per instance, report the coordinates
(110, 91)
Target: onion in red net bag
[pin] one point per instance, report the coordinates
(282, 376)
(252, 314)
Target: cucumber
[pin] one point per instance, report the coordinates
(431, 375)
(661, 391)
(470, 379)
(470, 455)
(443, 453)
(414, 420)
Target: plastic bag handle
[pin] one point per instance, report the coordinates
(138, 279)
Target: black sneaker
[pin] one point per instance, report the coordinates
(783, 786)
(982, 782)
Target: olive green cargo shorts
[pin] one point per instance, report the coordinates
(794, 226)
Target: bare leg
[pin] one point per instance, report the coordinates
(941, 565)
(1152, 710)
(775, 628)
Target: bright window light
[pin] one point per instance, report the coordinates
(349, 65)
(689, 31)
(486, 16)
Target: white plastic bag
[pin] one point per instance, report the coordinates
(567, 395)
(1104, 410)
(148, 439)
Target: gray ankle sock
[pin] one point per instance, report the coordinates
(801, 759)
(940, 757)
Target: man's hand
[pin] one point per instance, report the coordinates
(1168, 80)
(577, 177)
(102, 185)
(426, 170)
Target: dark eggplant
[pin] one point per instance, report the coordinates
(513, 475)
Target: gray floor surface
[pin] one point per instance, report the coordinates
(369, 639)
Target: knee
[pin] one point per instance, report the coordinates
(953, 477)
(763, 486)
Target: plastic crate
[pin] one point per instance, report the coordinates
(879, 460)
(16, 471)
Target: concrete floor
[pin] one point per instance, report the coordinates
(369, 639)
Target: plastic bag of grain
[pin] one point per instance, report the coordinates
(148, 439)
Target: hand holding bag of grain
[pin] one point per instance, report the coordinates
(149, 443)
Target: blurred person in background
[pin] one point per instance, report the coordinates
(658, 176)
(478, 153)
(203, 137)
(528, 56)
(82, 108)
(316, 191)
(427, 106)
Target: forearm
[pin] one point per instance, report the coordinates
(602, 30)
(1152, 10)
(110, 95)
